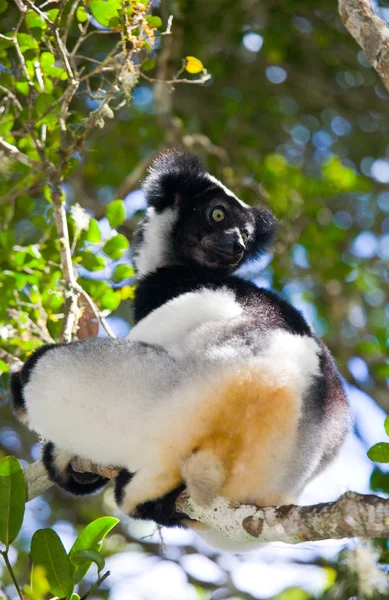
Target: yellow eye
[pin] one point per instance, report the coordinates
(245, 237)
(218, 215)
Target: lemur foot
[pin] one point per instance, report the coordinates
(60, 471)
(162, 511)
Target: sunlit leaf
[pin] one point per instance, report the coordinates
(154, 21)
(91, 261)
(116, 246)
(93, 233)
(193, 65)
(379, 452)
(81, 14)
(79, 557)
(47, 551)
(122, 272)
(34, 20)
(27, 42)
(91, 538)
(12, 499)
(106, 12)
(386, 425)
(116, 213)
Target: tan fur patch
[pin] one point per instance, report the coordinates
(249, 424)
(237, 439)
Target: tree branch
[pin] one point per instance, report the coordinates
(352, 515)
(370, 32)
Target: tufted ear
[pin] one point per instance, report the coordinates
(173, 177)
(265, 229)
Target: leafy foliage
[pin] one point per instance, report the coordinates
(53, 570)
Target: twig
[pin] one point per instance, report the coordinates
(96, 585)
(370, 32)
(20, 156)
(10, 360)
(4, 554)
(71, 293)
(203, 79)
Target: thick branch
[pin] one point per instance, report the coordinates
(370, 32)
(353, 515)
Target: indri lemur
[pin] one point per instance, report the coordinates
(220, 387)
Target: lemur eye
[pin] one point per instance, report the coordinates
(218, 215)
(245, 237)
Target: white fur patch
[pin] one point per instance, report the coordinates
(153, 252)
(173, 321)
(225, 189)
(300, 351)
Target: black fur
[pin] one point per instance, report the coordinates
(162, 511)
(79, 484)
(121, 481)
(169, 282)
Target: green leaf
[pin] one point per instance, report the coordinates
(22, 87)
(12, 499)
(47, 60)
(47, 550)
(148, 64)
(106, 13)
(27, 42)
(110, 300)
(116, 246)
(122, 272)
(93, 233)
(79, 557)
(34, 20)
(92, 262)
(43, 103)
(4, 368)
(3, 6)
(379, 452)
(81, 14)
(386, 425)
(379, 481)
(91, 538)
(154, 21)
(52, 13)
(116, 213)
(6, 124)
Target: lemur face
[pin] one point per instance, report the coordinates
(215, 230)
(193, 219)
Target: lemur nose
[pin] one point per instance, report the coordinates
(239, 246)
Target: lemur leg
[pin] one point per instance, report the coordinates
(61, 472)
(150, 484)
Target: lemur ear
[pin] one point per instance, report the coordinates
(265, 228)
(173, 176)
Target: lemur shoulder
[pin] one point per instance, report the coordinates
(220, 387)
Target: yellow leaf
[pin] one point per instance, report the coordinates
(193, 65)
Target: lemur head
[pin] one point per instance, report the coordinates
(193, 219)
